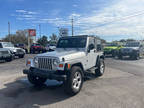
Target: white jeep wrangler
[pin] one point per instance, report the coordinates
(72, 58)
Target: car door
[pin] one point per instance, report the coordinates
(91, 54)
(142, 50)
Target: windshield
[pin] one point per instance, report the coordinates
(36, 45)
(72, 43)
(21, 45)
(8, 44)
(111, 44)
(133, 44)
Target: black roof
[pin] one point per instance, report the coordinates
(78, 36)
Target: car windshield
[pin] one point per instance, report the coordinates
(72, 43)
(111, 44)
(8, 44)
(21, 44)
(132, 44)
(36, 45)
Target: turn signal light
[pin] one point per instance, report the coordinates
(68, 66)
(61, 65)
(28, 62)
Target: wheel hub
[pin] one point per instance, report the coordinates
(77, 80)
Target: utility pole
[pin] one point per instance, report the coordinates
(9, 31)
(72, 20)
(40, 30)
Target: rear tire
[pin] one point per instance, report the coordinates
(74, 81)
(120, 56)
(35, 80)
(101, 68)
(136, 57)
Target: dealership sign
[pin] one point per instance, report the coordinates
(32, 32)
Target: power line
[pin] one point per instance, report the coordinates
(119, 19)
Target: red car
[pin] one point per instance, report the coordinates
(35, 47)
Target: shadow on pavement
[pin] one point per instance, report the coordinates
(28, 96)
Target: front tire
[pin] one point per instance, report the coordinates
(21, 56)
(9, 59)
(101, 68)
(74, 81)
(35, 80)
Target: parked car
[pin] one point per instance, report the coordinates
(112, 49)
(23, 46)
(6, 54)
(134, 50)
(50, 47)
(73, 57)
(16, 51)
(35, 47)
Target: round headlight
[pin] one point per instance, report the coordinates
(36, 60)
(55, 62)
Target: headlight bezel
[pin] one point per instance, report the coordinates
(35, 60)
(56, 62)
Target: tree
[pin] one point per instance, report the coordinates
(128, 40)
(15, 39)
(53, 38)
(43, 41)
(122, 40)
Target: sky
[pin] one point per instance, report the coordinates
(109, 19)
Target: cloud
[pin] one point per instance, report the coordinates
(21, 11)
(123, 18)
(75, 5)
(26, 12)
(24, 15)
(120, 18)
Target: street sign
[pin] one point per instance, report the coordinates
(32, 32)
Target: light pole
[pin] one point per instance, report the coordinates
(72, 20)
(9, 31)
(40, 30)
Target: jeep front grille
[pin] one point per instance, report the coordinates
(19, 50)
(4, 52)
(45, 63)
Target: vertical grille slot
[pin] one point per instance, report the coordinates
(45, 63)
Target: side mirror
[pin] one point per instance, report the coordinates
(90, 47)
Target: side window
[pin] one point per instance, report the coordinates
(99, 47)
(92, 42)
(1, 45)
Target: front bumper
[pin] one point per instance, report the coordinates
(128, 53)
(4, 57)
(19, 54)
(56, 75)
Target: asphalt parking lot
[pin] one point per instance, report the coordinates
(122, 86)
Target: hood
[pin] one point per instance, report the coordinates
(14, 49)
(110, 48)
(66, 54)
(4, 49)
